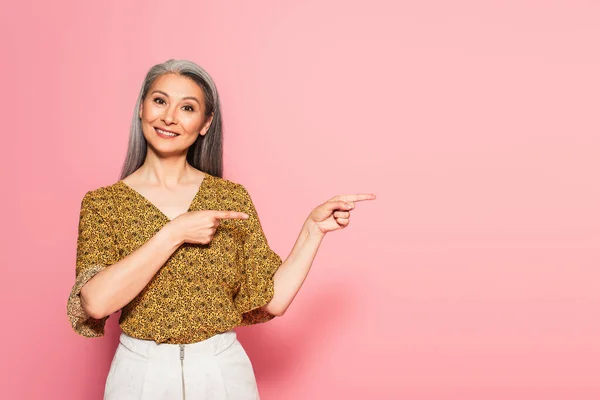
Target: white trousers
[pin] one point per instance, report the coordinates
(217, 368)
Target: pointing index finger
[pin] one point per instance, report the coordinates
(357, 197)
(230, 215)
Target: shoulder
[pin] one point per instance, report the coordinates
(225, 185)
(230, 194)
(99, 199)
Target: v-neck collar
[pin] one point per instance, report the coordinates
(158, 210)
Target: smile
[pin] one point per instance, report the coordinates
(165, 134)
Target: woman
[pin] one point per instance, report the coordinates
(181, 252)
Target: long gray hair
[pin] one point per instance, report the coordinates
(206, 153)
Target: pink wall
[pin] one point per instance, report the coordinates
(473, 276)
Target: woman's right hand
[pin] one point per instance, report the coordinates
(199, 227)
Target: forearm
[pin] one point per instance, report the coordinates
(115, 286)
(293, 271)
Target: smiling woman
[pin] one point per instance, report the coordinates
(182, 253)
(178, 97)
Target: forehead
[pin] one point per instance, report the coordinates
(177, 86)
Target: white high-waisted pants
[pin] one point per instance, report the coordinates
(217, 368)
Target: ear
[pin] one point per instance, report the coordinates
(204, 129)
(140, 110)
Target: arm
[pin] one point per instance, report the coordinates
(293, 271)
(116, 285)
(288, 279)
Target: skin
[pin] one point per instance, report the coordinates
(176, 104)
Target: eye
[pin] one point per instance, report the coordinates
(188, 108)
(158, 100)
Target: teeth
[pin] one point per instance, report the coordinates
(166, 133)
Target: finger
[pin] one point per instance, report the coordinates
(332, 206)
(341, 214)
(356, 197)
(230, 215)
(343, 222)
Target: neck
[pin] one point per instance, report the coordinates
(165, 170)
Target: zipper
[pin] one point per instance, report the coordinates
(181, 356)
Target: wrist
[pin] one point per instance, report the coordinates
(171, 235)
(313, 229)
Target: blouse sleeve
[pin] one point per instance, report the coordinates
(95, 251)
(260, 264)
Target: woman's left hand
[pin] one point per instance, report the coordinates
(334, 214)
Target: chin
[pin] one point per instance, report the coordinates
(168, 149)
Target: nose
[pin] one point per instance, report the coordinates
(169, 116)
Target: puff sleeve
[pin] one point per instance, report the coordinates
(260, 264)
(95, 251)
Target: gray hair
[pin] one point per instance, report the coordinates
(206, 153)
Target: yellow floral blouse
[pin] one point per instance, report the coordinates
(202, 290)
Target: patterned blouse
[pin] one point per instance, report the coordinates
(201, 290)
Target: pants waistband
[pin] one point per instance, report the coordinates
(150, 349)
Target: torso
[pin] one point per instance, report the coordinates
(196, 293)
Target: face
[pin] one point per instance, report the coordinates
(173, 114)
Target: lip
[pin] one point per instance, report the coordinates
(165, 130)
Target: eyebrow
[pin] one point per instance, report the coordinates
(185, 98)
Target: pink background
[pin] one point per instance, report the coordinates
(474, 275)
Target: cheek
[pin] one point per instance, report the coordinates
(191, 123)
(149, 113)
